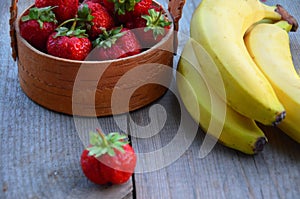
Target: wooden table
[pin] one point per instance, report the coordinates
(40, 149)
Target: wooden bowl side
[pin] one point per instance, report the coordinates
(144, 93)
(46, 81)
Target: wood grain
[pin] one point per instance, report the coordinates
(224, 173)
(40, 149)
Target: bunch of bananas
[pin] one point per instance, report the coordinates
(241, 72)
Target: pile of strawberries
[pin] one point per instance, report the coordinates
(93, 29)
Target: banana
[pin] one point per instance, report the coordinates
(211, 112)
(219, 27)
(269, 46)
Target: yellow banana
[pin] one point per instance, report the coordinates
(269, 46)
(236, 131)
(219, 27)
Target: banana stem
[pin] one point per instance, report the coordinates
(285, 15)
(259, 144)
(284, 25)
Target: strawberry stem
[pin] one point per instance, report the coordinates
(74, 25)
(102, 136)
(71, 20)
(157, 19)
(63, 30)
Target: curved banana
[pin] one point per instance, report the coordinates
(219, 27)
(269, 46)
(237, 131)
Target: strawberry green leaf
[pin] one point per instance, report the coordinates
(64, 31)
(95, 139)
(111, 152)
(44, 14)
(155, 22)
(84, 12)
(106, 144)
(108, 38)
(96, 150)
(123, 6)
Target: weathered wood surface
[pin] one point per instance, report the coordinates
(40, 149)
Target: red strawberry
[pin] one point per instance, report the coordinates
(92, 168)
(128, 9)
(142, 7)
(99, 18)
(109, 5)
(93, 6)
(116, 43)
(36, 26)
(150, 28)
(107, 53)
(109, 159)
(70, 44)
(137, 22)
(129, 43)
(65, 9)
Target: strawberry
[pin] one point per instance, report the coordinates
(64, 9)
(69, 47)
(70, 43)
(109, 5)
(142, 7)
(127, 10)
(138, 22)
(96, 17)
(36, 25)
(150, 28)
(109, 159)
(116, 43)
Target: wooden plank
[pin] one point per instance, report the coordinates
(40, 149)
(224, 173)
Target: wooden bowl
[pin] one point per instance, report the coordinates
(85, 88)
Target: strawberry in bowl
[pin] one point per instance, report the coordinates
(96, 18)
(36, 25)
(150, 28)
(63, 9)
(128, 9)
(117, 43)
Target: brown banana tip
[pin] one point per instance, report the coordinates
(285, 15)
(279, 118)
(259, 144)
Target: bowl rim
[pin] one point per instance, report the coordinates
(155, 47)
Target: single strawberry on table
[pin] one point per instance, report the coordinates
(108, 159)
(70, 43)
(36, 25)
(64, 9)
(119, 42)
